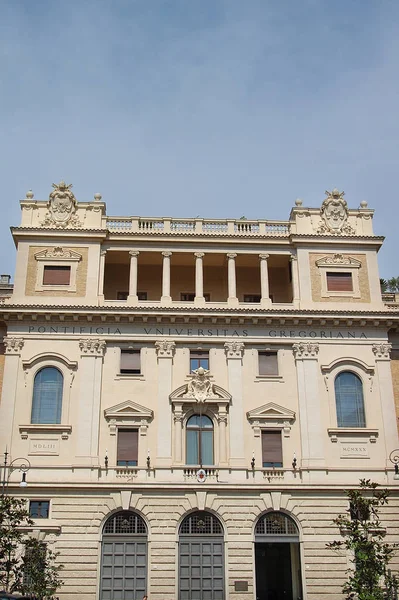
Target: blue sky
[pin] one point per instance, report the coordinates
(201, 107)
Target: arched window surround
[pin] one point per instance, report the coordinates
(283, 512)
(31, 368)
(366, 374)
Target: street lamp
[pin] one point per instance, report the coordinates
(20, 463)
(394, 458)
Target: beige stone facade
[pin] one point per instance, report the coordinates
(183, 376)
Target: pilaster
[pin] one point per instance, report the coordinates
(382, 352)
(13, 347)
(234, 354)
(165, 350)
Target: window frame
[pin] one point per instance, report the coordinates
(198, 351)
(59, 409)
(69, 259)
(357, 377)
(270, 351)
(136, 460)
(199, 444)
(131, 373)
(331, 264)
(274, 431)
(33, 501)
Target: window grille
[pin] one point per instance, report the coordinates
(125, 522)
(201, 523)
(275, 523)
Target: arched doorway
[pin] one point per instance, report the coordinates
(124, 557)
(201, 558)
(277, 558)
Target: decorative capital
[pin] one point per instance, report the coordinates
(293, 257)
(13, 345)
(305, 350)
(199, 254)
(231, 255)
(234, 349)
(167, 254)
(382, 350)
(165, 348)
(134, 252)
(93, 347)
(264, 256)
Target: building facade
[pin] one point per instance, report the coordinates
(194, 396)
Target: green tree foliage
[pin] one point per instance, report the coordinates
(390, 285)
(369, 578)
(13, 516)
(40, 570)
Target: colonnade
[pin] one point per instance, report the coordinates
(199, 299)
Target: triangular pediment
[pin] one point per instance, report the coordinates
(271, 411)
(338, 260)
(128, 410)
(58, 253)
(217, 394)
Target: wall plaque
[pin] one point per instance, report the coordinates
(241, 586)
(44, 446)
(351, 450)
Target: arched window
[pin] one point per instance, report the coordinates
(47, 396)
(349, 400)
(199, 440)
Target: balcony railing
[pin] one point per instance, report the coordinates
(156, 225)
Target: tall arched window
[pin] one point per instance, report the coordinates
(199, 440)
(349, 400)
(47, 396)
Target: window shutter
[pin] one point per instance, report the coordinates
(339, 282)
(56, 275)
(130, 361)
(268, 366)
(272, 450)
(127, 445)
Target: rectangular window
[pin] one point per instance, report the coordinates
(268, 365)
(199, 358)
(56, 275)
(190, 296)
(272, 449)
(142, 295)
(339, 282)
(122, 295)
(130, 362)
(252, 297)
(39, 509)
(127, 452)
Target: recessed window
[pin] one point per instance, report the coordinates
(252, 298)
(130, 362)
(268, 365)
(272, 449)
(47, 396)
(339, 282)
(56, 275)
(39, 509)
(122, 295)
(142, 295)
(359, 511)
(127, 452)
(199, 440)
(349, 400)
(190, 297)
(199, 358)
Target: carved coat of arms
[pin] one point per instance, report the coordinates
(62, 207)
(334, 214)
(199, 388)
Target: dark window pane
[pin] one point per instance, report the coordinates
(39, 509)
(199, 440)
(349, 400)
(198, 359)
(47, 396)
(55, 275)
(252, 297)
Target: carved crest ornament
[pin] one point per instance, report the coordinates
(200, 388)
(62, 207)
(334, 214)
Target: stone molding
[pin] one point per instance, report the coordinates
(303, 350)
(165, 349)
(382, 351)
(13, 345)
(234, 349)
(94, 347)
(338, 260)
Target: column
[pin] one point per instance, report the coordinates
(166, 297)
(234, 353)
(199, 278)
(231, 273)
(101, 274)
(295, 279)
(178, 432)
(13, 347)
(89, 402)
(383, 368)
(310, 419)
(264, 280)
(165, 350)
(133, 299)
(222, 420)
